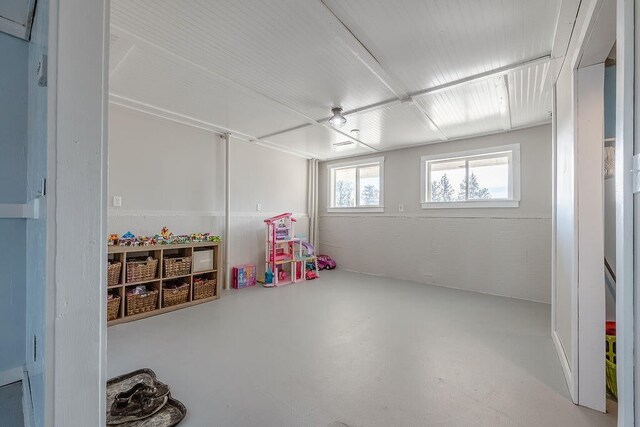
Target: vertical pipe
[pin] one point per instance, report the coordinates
(227, 208)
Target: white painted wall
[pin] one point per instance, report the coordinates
(13, 166)
(172, 174)
(501, 251)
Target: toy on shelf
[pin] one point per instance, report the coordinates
(165, 237)
(243, 276)
(165, 233)
(286, 256)
(113, 240)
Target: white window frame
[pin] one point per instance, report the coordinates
(513, 201)
(354, 164)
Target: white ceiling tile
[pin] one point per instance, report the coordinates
(283, 49)
(393, 127)
(429, 43)
(530, 96)
(472, 109)
(170, 84)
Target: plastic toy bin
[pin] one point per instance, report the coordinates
(610, 359)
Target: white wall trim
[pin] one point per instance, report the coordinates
(27, 399)
(564, 362)
(425, 216)
(29, 210)
(626, 214)
(471, 204)
(513, 151)
(18, 29)
(356, 163)
(115, 212)
(10, 376)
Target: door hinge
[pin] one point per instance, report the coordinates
(636, 173)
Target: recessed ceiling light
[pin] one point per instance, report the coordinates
(338, 120)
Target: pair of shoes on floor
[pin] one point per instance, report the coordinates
(137, 403)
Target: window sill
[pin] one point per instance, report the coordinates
(471, 205)
(363, 209)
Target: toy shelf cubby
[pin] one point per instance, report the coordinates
(159, 252)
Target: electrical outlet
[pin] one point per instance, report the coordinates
(400, 207)
(117, 201)
(259, 207)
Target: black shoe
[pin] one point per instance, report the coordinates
(137, 407)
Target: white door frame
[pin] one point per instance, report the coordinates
(627, 411)
(75, 347)
(585, 22)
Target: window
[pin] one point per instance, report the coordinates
(472, 179)
(356, 186)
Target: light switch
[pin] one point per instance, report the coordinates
(400, 207)
(117, 201)
(259, 207)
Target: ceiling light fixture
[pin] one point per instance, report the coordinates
(338, 120)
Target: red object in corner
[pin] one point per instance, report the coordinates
(610, 329)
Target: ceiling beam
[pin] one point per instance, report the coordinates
(162, 113)
(277, 103)
(283, 106)
(496, 72)
(507, 92)
(368, 59)
(118, 53)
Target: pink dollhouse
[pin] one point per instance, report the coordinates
(285, 261)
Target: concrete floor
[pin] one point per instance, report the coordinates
(11, 405)
(356, 350)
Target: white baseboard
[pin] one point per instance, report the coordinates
(568, 375)
(10, 376)
(27, 403)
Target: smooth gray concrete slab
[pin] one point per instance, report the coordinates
(355, 350)
(11, 405)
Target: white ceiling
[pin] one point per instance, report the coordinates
(272, 70)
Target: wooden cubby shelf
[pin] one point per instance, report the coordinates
(159, 252)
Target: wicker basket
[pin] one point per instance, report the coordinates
(113, 308)
(137, 304)
(113, 273)
(204, 289)
(139, 271)
(177, 266)
(176, 296)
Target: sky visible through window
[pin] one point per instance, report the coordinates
(344, 191)
(488, 178)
